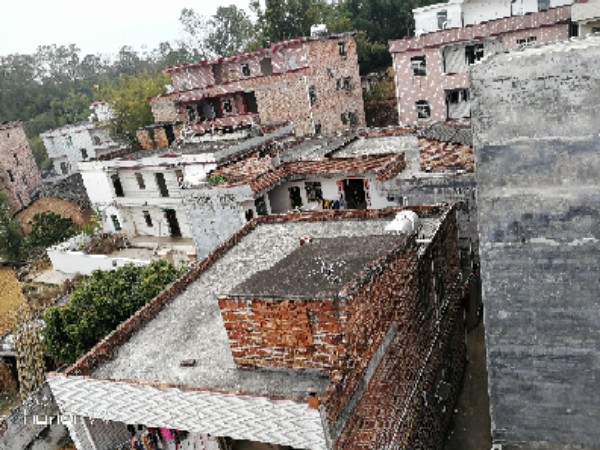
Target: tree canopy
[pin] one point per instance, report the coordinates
(98, 304)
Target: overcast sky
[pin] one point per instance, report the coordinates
(96, 27)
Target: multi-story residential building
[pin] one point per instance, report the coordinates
(19, 174)
(141, 193)
(432, 68)
(69, 145)
(537, 151)
(311, 82)
(586, 14)
(316, 331)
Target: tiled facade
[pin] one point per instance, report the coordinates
(312, 83)
(19, 174)
(432, 70)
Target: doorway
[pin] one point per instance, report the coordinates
(171, 217)
(162, 185)
(170, 134)
(295, 197)
(354, 194)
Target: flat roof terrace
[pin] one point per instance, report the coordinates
(157, 344)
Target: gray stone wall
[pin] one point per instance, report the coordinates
(536, 127)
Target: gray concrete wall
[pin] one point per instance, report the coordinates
(536, 127)
(214, 215)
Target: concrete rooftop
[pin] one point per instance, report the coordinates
(191, 327)
(319, 269)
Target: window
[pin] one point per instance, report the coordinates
(16, 159)
(353, 118)
(116, 181)
(525, 42)
(97, 140)
(595, 29)
(342, 49)
(191, 111)
(347, 84)
(543, 5)
(419, 66)
(116, 223)
(245, 70)
(318, 128)
(423, 109)
(261, 206)
(458, 96)
(312, 95)
(266, 66)
(330, 72)
(10, 175)
(24, 180)
(227, 106)
(338, 84)
(344, 118)
(64, 168)
(148, 218)
(314, 192)
(84, 153)
(140, 180)
(69, 142)
(442, 18)
(473, 53)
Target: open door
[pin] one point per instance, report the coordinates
(171, 217)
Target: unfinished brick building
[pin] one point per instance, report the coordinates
(313, 83)
(337, 335)
(432, 69)
(19, 174)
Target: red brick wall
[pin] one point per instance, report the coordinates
(283, 97)
(16, 157)
(399, 404)
(282, 333)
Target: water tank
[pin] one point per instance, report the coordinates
(406, 222)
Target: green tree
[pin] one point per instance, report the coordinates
(377, 21)
(98, 304)
(11, 235)
(49, 228)
(128, 97)
(230, 31)
(287, 19)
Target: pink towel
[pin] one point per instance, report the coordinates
(166, 433)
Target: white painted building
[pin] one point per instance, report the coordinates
(587, 16)
(69, 145)
(142, 192)
(462, 13)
